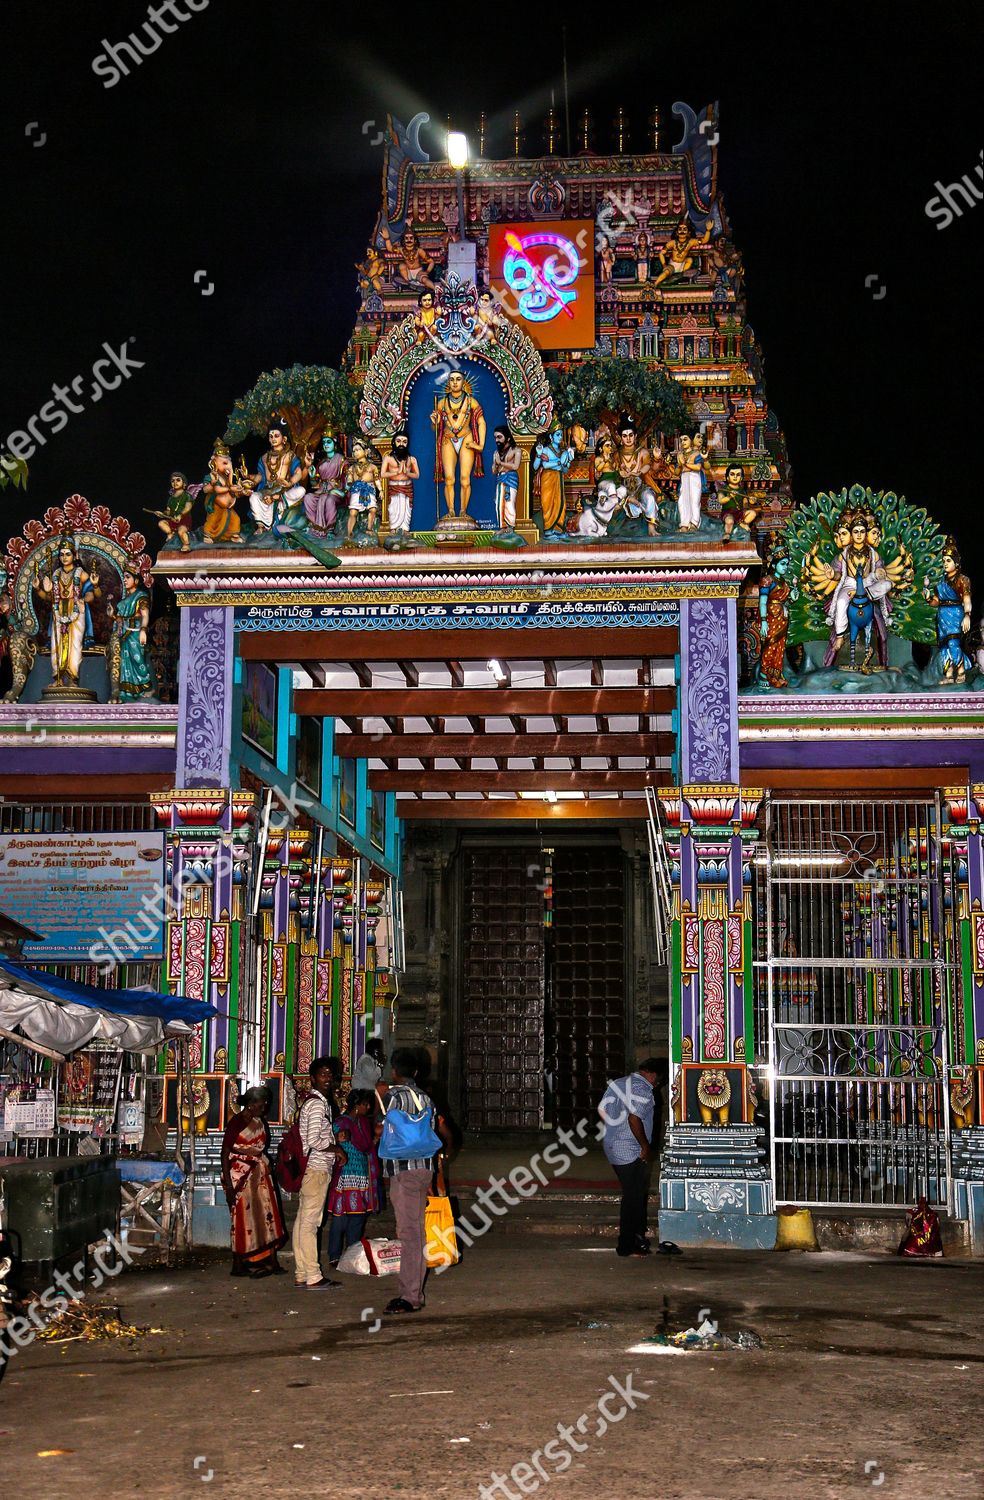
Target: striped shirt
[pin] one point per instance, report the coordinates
(632, 1095)
(317, 1136)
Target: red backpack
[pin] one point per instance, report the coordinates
(291, 1160)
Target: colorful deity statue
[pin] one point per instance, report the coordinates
(774, 595)
(398, 471)
(372, 271)
(606, 259)
(489, 320)
(426, 316)
(505, 471)
(322, 501)
(634, 469)
(610, 492)
(173, 519)
(459, 438)
(362, 486)
(860, 588)
(129, 673)
(953, 604)
(223, 487)
(677, 256)
(737, 510)
(690, 461)
(72, 591)
(642, 251)
(553, 459)
(277, 499)
(414, 265)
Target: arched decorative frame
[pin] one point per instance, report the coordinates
(93, 529)
(510, 354)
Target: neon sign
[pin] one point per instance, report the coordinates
(546, 290)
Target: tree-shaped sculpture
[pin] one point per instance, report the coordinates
(908, 542)
(597, 392)
(309, 398)
(13, 472)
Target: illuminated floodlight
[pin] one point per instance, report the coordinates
(550, 796)
(495, 667)
(457, 150)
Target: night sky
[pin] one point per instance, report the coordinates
(242, 149)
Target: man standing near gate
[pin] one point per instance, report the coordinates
(627, 1110)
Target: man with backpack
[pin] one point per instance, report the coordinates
(317, 1143)
(407, 1149)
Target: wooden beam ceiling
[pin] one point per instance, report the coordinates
(431, 746)
(418, 702)
(616, 810)
(517, 781)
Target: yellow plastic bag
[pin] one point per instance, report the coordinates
(442, 1243)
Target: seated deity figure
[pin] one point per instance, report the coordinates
(953, 609)
(610, 492)
(860, 589)
(490, 319)
(362, 484)
(459, 438)
(71, 590)
(322, 502)
(553, 459)
(415, 266)
(398, 471)
(634, 465)
(276, 501)
(736, 508)
(505, 471)
(678, 254)
(372, 271)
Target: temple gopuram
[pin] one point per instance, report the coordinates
(500, 695)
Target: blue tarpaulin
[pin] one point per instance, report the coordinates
(117, 1002)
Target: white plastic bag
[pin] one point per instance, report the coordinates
(376, 1257)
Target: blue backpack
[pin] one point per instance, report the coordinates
(406, 1136)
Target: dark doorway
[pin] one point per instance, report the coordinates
(543, 982)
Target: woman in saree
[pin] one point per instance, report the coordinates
(257, 1223)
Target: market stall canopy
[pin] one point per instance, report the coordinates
(63, 1015)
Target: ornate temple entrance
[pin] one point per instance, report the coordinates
(857, 976)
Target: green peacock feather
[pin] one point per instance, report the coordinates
(907, 533)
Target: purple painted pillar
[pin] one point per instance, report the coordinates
(205, 695)
(973, 1017)
(708, 692)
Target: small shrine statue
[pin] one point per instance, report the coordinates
(953, 604)
(459, 438)
(415, 266)
(642, 256)
(71, 590)
(736, 508)
(690, 461)
(173, 519)
(372, 271)
(922, 1235)
(489, 320)
(774, 595)
(362, 485)
(505, 471)
(553, 459)
(129, 673)
(223, 487)
(277, 499)
(426, 317)
(634, 468)
(606, 259)
(678, 254)
(610, 492)
(321, 503)
(398, 471)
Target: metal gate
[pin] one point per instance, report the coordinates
(856, 983)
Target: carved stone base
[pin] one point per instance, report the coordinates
(714, 1188)
(56, 692)
(451, 531)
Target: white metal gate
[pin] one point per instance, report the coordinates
(856, 982)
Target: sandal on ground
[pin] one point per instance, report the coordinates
(400, 1305)
(667, 1247)
(324, 1285)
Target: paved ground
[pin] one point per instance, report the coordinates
(871, 1379)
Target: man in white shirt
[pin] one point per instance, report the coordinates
(318, 1141)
